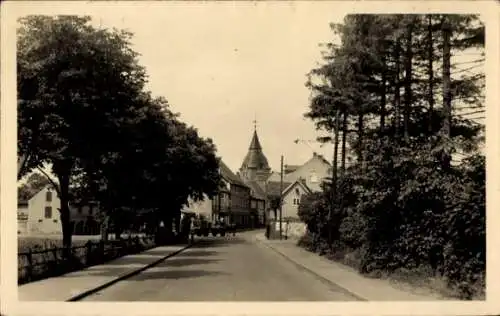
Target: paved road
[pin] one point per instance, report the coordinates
(235, 269)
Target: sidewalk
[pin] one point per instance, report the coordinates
(71, 285)
(364, 288)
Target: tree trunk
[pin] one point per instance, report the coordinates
(178, 223)
(334, 177)
(105, 227)
(383, 98)
(446, 30)
(408, 79)
(118, 228)
(430, 70)
(360, 138)
(344, 142)
(397, 92)
(67, 228)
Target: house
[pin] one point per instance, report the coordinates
(292, 194)
(232, 202)
(257, 204)
(314, 171)
(84, 215)
(254, 172)
(238, 199)
(43, 215)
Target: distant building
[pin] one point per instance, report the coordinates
(232, 203)
(254, 172)
(313, 172)
(264, 184)
(41, 216)
(255, 166)
(292, 194)
(245, 197)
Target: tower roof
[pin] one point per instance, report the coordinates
(255, 158)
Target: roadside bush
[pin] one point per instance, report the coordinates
(405, 213)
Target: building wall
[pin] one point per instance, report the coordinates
(40, 221)
(314, 171)
(291, 201)
(84, 218)
(240, 204)
(22, 220)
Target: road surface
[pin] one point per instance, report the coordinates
(233, 269)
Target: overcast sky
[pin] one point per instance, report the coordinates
(222, 68)
(221, 64)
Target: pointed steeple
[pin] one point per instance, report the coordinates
(255, 161)
(255, 143)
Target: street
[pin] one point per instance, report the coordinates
(217, 269)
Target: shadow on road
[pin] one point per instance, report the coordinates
(196, 253)
(220, 242)
(182, 262)
(175, 274)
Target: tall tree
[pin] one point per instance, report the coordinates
(74, 83)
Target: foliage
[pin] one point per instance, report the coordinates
(33, 185)
(84, 111)
(402, 205)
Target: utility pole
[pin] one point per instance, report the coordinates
(281, 199)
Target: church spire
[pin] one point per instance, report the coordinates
(255, 161)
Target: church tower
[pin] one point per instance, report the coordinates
(255, 166)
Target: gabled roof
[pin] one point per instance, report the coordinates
(41, 189)
(228, 175)
(273, 187)
(290, 168)
(257, 190)
(299, 182)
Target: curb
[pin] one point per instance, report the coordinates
(125, 276)
(315, 274)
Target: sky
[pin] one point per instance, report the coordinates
(222, 65)
(222, 69)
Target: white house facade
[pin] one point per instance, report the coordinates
(40, 215)
(43, 214)
(291, 199)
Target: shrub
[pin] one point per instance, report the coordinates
(403, 214)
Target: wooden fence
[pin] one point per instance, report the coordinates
(40, 264)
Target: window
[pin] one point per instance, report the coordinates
(48, 196)
(296, 201)
(48, 212)
(79, 210)
(314, 177)
(91, 209)
(297, 191)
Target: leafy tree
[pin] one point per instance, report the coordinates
(74, 83)
(401, 96)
